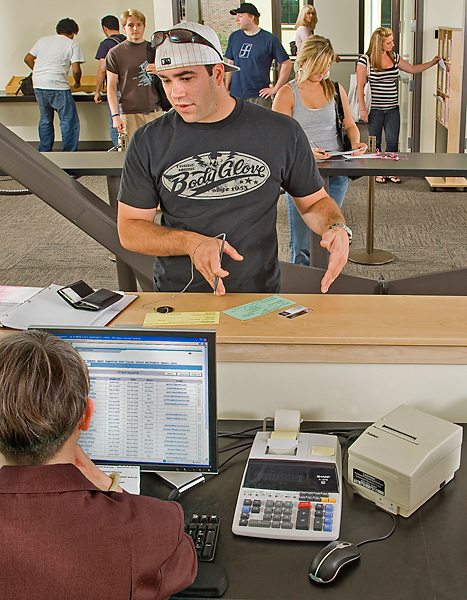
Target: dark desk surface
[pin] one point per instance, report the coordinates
(424, 559)
(416, 165)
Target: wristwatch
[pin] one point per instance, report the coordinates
(345, 228)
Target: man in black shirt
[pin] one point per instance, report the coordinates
(215, 166)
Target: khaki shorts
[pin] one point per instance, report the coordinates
(137, 120)
(266, 102)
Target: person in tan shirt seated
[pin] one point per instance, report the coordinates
(67, 530)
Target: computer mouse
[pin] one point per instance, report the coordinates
(331, 559)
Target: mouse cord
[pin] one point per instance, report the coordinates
(192, 258)
(384, 537)
(349, 440)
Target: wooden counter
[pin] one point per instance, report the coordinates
(341, 329)
(88, 84)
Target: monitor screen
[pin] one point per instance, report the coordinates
(155, 396)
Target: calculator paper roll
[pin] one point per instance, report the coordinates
(287, 420)
(286, 428)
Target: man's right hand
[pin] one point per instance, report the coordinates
(97, 97)
(205, 254)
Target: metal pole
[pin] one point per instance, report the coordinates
(368, 255)
(370, 226)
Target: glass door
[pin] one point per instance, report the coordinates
(406, 51)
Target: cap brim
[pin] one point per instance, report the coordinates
(229, 67)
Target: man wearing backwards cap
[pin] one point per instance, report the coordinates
(215, 165)
(253, 50)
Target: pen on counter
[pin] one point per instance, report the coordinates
(216, 280)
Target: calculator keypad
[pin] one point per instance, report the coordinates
(303, 512)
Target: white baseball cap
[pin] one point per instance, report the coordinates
(202, 48)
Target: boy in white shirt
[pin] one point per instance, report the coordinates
(50, 59)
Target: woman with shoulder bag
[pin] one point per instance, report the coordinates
(381, 66)
(310, 99)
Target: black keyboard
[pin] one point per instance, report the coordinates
(204, 530)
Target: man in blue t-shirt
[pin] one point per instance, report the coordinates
(111, 28)
(253, 50)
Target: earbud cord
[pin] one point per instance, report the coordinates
(192, 258)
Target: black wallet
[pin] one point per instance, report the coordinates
(81, 296)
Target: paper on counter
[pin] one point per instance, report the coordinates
(156, 319)
(46, 308)
(342, 152)
(12, 296)
(258, 308)
(130, 476)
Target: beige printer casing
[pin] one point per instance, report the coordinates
(403, 459)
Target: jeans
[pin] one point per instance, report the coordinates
(299, 231)
(390, 121)
(60, 101)
(113, 131)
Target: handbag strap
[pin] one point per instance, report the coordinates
(338, 102)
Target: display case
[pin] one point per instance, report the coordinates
(448, 101)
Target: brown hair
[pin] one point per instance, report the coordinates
(132, 12)
(375, 48)
(313, 57)
(305, 10)
(44, 385)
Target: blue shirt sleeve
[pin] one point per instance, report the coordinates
(278, 50)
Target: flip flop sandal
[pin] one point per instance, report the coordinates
(394, 179)
(380, 179)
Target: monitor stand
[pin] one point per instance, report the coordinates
(181, 482)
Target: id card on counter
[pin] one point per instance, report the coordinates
(295, 311)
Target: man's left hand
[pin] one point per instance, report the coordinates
(336, 241)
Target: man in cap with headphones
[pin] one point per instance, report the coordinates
(215, 166)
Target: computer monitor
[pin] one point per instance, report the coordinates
(155, 396)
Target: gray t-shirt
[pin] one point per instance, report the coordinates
(220, 177)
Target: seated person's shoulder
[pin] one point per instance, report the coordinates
(166, 517)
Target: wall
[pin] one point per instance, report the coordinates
(40, 21)
(340, 392)
(42, 17)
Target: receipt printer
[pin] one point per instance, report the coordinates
(403, 459)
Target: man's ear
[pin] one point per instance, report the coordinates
(85, 422)
(218, 72)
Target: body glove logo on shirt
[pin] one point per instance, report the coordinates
(212, 176)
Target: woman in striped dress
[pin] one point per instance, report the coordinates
(381, 65)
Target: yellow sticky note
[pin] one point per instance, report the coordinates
(181, 318)
(322, 450)
(284, 435)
